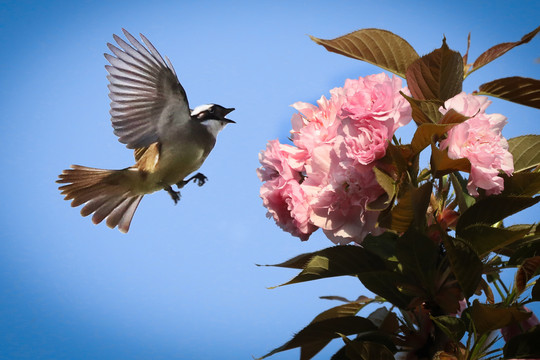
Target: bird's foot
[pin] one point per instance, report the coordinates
(175, 195)
(199, 178)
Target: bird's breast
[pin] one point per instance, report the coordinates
(176, 162)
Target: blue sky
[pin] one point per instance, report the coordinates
(183, 283)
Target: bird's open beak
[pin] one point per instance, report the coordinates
(227, 111)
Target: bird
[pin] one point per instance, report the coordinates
(151, 115)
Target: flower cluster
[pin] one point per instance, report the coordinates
(479, 139)
(326, 179)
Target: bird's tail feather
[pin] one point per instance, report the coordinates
(105, 193)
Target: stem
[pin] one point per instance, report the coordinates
(504, 286)
(499, 291)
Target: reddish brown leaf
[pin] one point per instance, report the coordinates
(500, 49)
(437, 75)
(378, 47)
(524, 91)
(525, 272)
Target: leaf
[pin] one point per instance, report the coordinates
(465, 265)
(448, 298)
(442, 164)
(385, 320)
(529, 247)
(424, 111)
(453, 327)
(486, 239)
(418, 256)
(524, 91)
(349, 309)
(437, 75)
(526, 151)
(535, 292)
(411, 206)
(526, 271)
(386, 181)
(424, 134)
(346, 310)
(492, 317)
(383, 245)
(337, 261)
(523, 346)
(366, 350)
(522, 184)
(492, 209)
(325, 330)
(460, 189)
(378, 47)
(387, 284)
(500, 49)
(487, 291)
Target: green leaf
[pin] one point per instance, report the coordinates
(460, 189)
(383, 245)
(366, 350)
(418, 256)
(523, 346)
(424, 134)
(349, 309)
(526, 151)
(325, 330)
(437, 75)
(387, 284)
(465, 264)
(411, 206)
(442, 164)
(385, 320)
(492, 209)
(453, 327)
(526, 248)
(492, 317)
(486, 239)
(307, 351)
(337, 261)
(386, 181)
(424, 111)
(500, 49)
(524, 91)
(526, 271)
(378, 47)
(522, 184)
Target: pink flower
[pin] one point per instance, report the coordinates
(340, 192)
(287, 204)
(365, 140)
(315, 125)
(372, 111)
(480, 140)
(326, 179)
(376, 97)
(280, 160)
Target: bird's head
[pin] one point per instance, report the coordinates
(212, 116)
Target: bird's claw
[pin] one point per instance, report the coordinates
(198, 178)
(175, 195)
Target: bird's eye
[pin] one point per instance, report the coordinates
(211, 110)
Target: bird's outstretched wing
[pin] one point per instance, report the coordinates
(144, 90)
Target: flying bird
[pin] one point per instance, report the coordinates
(150, 113)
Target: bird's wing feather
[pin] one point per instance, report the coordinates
(144, 92)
